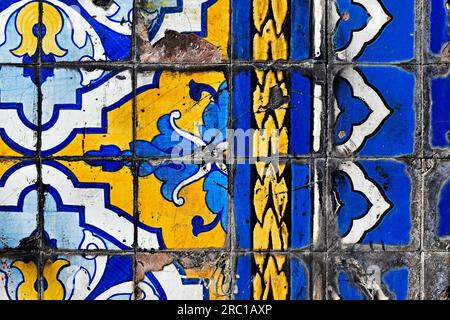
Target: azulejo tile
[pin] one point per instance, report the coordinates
(88, 277)
(373, 276)
(274, 276)
(18, 276)
(86, 112)
(18, 204)
(373, 205)
(182, 31)
(81, 110)
(183, 276)
(18, 110)
(18, 42)
(436, 210)
(436, 111)
(367, 110)
(436, 35)
(71, 30)
(279, 205)
(183, 121)
(374, 31)
(278, 30)
(279, 111)
(87, 208)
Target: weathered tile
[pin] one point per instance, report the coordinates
(373, 205)
(436, 111)
(88, 277)
(19, 42)
(436, 210)
(278, 205)
(374, 31)
(87, 208)
(86, 112)
(278, 30)
(436, 31)
(224, 149)
(182, 31)
(436, 276)
(183, 276)
(371, 104)
(86, 31)
(373, 276)
(279, 111)
(18, 205)
(187, 203)
(183, 120)
(18, 277)
(180, 111)
(274, 276)
(18, 110)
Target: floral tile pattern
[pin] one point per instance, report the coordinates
(224, 149)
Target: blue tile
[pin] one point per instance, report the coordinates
(375, 204)
(374, 104)
(373, 31)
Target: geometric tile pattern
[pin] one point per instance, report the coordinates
(224, 149)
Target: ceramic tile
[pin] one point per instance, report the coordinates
(367, 110)
(279, 205)
(94, 117)
(278, 30)
(88, 277)
(381, 31)
(18, 31)
(18, 110)
(281, 109)
(18, 276)
(87, 208)
(373, 205)
(224, 149)
(280, 276)
(86, 31)
(185, 276)
(183, 120)
(182, 31)
(373, 276)
(18, 204)
(436, 31)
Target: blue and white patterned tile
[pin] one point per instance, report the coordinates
(18, 205)
(373, 205)
(88, 277)
(374, 31)
(18, 110)
(369, 106)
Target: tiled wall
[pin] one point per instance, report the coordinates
(121, 177)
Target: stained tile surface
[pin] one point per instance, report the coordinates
(224, 149)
